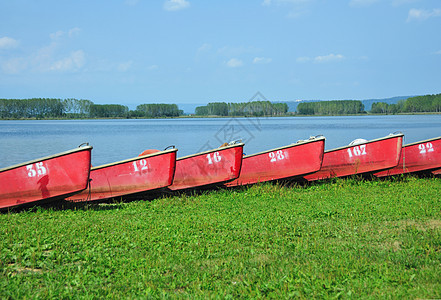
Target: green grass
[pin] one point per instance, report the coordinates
(341, 239)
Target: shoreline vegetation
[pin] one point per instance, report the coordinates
(50, 108)
(220, 117)
(341, 238)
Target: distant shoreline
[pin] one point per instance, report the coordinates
(222, 117)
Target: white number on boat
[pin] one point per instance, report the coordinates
(357, 151)
(424, 148)
(279, 155)
(216, 158)
(140, 165)
(39, 169)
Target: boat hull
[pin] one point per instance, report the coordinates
(45, 179)
(132, 176)
(423, 156)
(209, 168)
(281, 163)
(364, 158)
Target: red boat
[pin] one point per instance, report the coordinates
(286, 162)
(45, 179)
(207, 169)
(152, 170)
(360, 157)
(423, 156)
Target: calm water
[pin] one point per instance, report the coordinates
(115, 140)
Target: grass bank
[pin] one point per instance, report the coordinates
(345, 238)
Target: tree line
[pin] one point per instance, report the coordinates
(333, 107)
(45, 108)
(158, 110)
(49, 108)
(254, 108)
(426, 103)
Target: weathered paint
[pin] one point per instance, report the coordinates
(208, 168)
(281, 163)
(45, 179)
(363, 158)
(140, 174)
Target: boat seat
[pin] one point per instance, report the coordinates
(149, 151)
(357, 141)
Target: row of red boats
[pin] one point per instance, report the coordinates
(70, 176)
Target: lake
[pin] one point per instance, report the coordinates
(114, 140)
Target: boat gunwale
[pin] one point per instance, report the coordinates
(391, 136)
(421, 142)
(299, 143)
(211, 151)
(41, 159)
(133, 159)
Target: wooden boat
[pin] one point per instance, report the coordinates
(423, 156)
(360, 157)
(45, 179)
(285, 162)
(209, 168)
(150, 171)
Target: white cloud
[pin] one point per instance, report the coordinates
(56, 35)
(60, 33)
(8, 43)
(73, 62)
(422, 14)
(49, 58)
(362, 2)
(321, 59)
(262, 60)
(204, 47)
(234, 63)
(153, 67)
(125, 66)
(14, 66)
(438, 52)
(173, 5)
(328, 58)
(74, 31)
(303, 59)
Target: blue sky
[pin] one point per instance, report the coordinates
(193, 51)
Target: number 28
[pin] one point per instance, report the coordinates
(279, 155)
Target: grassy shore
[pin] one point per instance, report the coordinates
(346, 238)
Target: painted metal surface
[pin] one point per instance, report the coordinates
(416, 157)
(140, 174)
(363, 158)
(281, 163)
(208, 168)
(45, 179)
